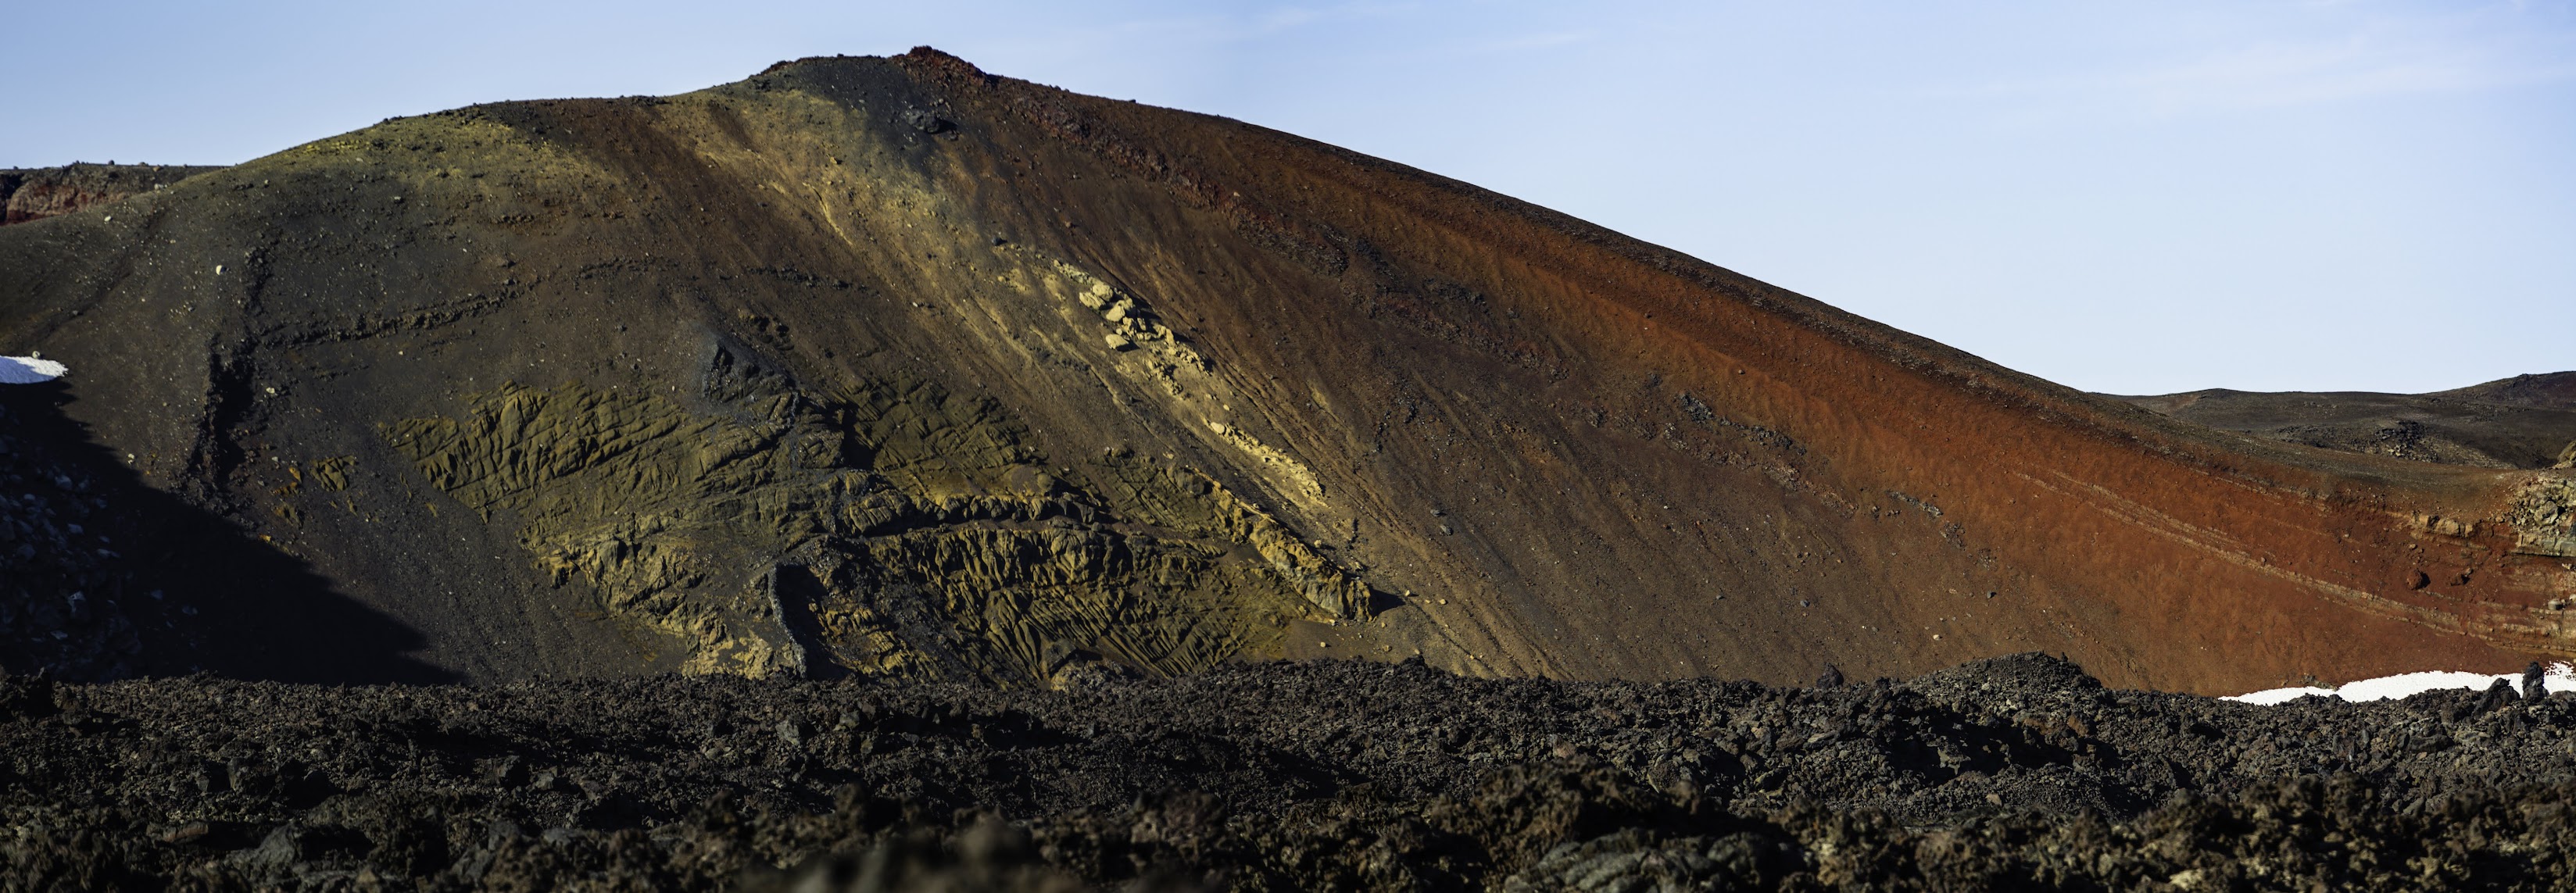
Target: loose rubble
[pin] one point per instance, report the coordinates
(66, 587)
(2018, 772)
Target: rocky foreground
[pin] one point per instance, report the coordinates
(2019, 772)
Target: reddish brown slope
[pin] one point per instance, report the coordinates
(1554, 387)
(1548, 448)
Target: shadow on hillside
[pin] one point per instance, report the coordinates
(235, 606)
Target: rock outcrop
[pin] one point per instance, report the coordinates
(37, 193)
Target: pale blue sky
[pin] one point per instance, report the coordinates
(2124, 196)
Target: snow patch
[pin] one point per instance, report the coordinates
(2560, 676)
(29, 370)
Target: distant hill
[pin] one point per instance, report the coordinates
(2527, 421)
(37, 193)
(889, 366)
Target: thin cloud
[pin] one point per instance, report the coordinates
(2385, 57)
(1290, 17)
(1534, 41)
(2289, 75)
